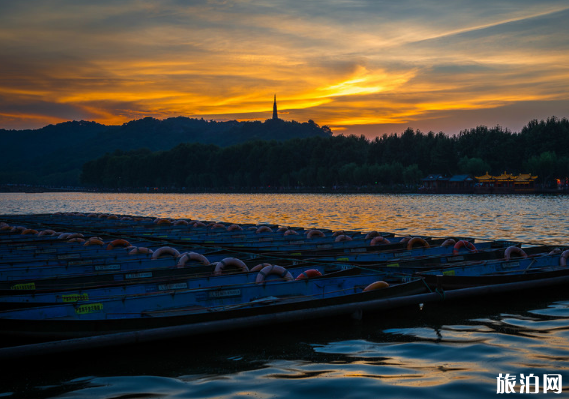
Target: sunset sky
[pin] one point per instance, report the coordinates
(363, 67)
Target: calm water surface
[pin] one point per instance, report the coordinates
(442, 351)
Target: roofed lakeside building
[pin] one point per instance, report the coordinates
(442, 184)
(506, 183)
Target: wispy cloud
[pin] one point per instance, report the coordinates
(345, 63)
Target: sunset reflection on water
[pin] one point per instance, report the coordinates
(446, 351)
(528, 218)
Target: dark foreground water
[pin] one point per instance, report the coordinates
(449, 350)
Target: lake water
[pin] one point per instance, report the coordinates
(449, 350)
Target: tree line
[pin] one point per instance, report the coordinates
(55, 154)
(541, 148)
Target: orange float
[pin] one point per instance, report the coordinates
(378, 285)
(371, 234)
(379, 240)
(273, 269)
(514, 250)
(164, 251)
(563, 258)
(94, 241)
(463, 243)
(310, 273)
(259, 267)
(118, 243)
(221, 266)
(448, 242)
(192, 256)
(315, 233)
(140, 250)
(417, 241)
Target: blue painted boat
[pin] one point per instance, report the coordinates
(533, 267)
(147, 311)
(173, 282)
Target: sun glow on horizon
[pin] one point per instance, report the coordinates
(375, 64)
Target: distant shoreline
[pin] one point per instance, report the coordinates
(265, 190)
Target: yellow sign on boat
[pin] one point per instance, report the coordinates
(75, 297)
(89, 308)
(26, 286)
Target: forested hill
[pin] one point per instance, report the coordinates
(542, 148)
(55, 154)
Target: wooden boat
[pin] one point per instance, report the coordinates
(140, 312)
(415, 264)
(531, 268)
(113, 275)
(96, 290)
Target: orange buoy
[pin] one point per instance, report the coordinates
(76, 239)
(118, 243)
(378, 285)
(371, 234)
(463, 243)
(29, 231)
(164, 251)
(290, 232)
(379, 240)
(514, 250)
(315, 233)
(218, 226)
(310, 273)
(264, 229)
(259, 267)
(448, 242)
(186, 256)
(273, 269)
(235, 227)
(338, 233)
(198, 224)
(343, 237)
(94, 241)
(140, 250)
(563, 258)
(181, 223)
(220, 267)
(417, 240)
(46, 232)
